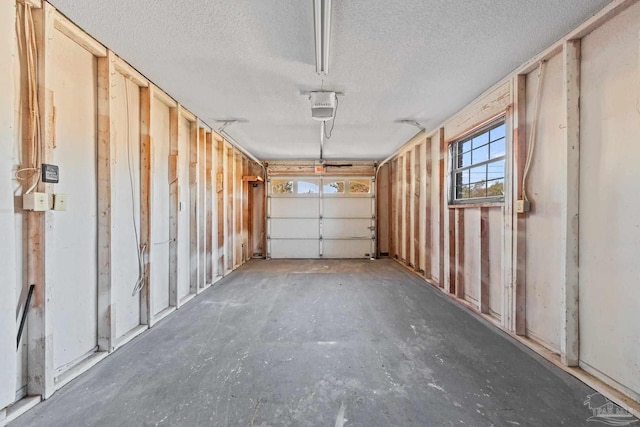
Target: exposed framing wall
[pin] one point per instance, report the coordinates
(190, 170)
(483, 249)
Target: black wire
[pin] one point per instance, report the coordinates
(333, 123)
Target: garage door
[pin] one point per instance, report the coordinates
(309, 217)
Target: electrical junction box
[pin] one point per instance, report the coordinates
(59, 202)
(523, 206)
(50, 173)
(35, 202)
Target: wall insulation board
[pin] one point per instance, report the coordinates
(72, 266)
(495, 234)
(7, 161)
(609, 220)
(160, 138)
(544, 187)
(472, 255)
(184, 222)
(125, 202)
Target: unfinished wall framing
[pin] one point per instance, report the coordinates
(520, 270)
(133, 164)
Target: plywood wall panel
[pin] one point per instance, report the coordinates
(609, 220)
(125, 201)
(471, 249)
(184, 220)
(543, 223)
(496, 255)
(8, 159)
(72, 268)
(160, 142)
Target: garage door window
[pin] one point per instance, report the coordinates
(333, 187)
(281, 186)
(360, 186)
(308, 186)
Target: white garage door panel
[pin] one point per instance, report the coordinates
(295, 248)
(346, 228)
(346, 248)
(289, 207)
(335, 224)
(342, 207)
(295, 228)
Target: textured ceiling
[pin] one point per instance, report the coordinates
(393, 59)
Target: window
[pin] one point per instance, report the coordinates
(361, 186)
(478, 165)
(333, 187)
(281, 186)
(308, 186)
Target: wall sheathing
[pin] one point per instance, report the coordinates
(562, 278)
(143, 178)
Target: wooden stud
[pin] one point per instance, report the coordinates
(40, 379)
(406, 209)
(220, 184)
(452, 251)
(209, 209)
(174, 207)
(106, 313)
(194, 208)
(459, 263)
(485, 263)
(146, 312)
(520, 221)
(393, 226)
(442, 204)
(416, 183)
(245, 210)
(428, 240)
(69, 29)
(202, 208)
(237, 209)
(229, 191)
(570, 208)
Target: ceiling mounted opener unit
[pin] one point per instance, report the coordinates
(323, 105)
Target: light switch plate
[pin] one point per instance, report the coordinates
(35, 202)
(59, 202)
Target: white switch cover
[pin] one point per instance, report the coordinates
(35, 202)
(59, 202)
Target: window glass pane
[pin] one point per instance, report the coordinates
(497, 148)
(465, 146)
(479, 189)
(362, 186)
(308, 187)
(496, 170)
(281, 186)
(479, 173)
(497, 132)
(465, 160)
(480, 140)
(495, 188)
(334, 187)
(480, 154)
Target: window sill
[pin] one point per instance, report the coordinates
(476, 205)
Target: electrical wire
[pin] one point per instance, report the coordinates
(139, 249)
(333, 122)
(532, 134)
(28, 45)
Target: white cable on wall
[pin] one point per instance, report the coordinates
(139, 249)
(532, 134)
(30, 50)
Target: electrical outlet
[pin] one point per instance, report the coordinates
(38, 202)
(59, 202)
(523, 206)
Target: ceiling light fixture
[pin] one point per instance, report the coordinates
(322, 19)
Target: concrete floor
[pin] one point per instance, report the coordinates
(319, 343)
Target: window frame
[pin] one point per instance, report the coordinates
(453, 152)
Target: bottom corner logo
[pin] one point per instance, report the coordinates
(607, 412)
